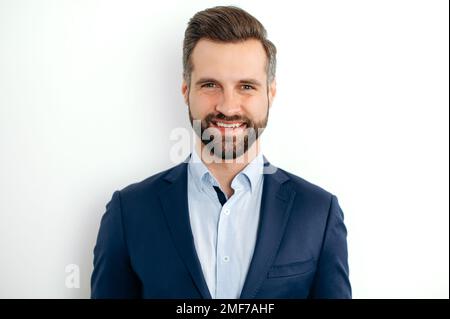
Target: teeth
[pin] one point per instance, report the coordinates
(234, 125)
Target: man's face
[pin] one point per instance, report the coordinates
(229, 94)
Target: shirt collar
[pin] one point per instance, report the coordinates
(198, 169)
(252, 173)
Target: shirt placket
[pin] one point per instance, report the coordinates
(227, 269)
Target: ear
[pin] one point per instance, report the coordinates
(272, 91)
(185, 92)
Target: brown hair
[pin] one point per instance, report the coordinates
(225, 24)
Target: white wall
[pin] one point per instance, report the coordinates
(90, 91)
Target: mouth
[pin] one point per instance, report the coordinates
(228, 126)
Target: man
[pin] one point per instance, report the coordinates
(225, 223)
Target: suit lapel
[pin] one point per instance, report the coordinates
(276, 204)
(175, 206)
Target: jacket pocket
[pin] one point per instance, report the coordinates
(292, 269)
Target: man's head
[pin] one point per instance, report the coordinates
(229, 78)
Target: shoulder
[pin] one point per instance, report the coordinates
(155, 183)
(300, 183)
(306, 191)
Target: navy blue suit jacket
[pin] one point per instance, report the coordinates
(145, 247)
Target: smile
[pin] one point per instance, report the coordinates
(227, 128)
(233, 125)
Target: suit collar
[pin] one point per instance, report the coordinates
(175, 206)
(276, 204)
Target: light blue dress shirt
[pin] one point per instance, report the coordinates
(225, 237)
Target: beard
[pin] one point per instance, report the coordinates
(227, 146)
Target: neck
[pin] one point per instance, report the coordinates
(225, 170)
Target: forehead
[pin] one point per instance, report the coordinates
(229, 60)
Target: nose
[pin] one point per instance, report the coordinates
(229, 104)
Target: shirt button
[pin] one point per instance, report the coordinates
(226, 212)
(226, 259)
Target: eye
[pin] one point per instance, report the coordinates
(247, 87)
(208, 85)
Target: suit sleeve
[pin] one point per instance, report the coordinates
(113, 276)
(331, 280)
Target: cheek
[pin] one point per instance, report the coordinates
(256, 107)
(253, 106)
(203, 103)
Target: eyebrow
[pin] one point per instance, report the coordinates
(242, 81)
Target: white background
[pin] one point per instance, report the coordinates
(90, 91)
